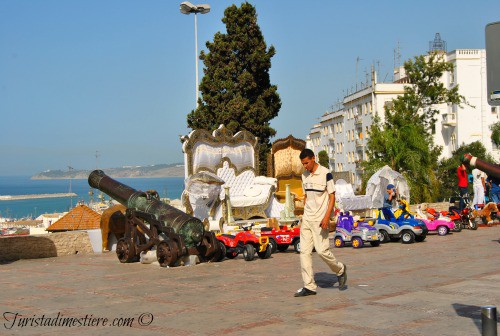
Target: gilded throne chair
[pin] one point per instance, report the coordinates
(284, 164)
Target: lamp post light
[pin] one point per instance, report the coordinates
(188, 8)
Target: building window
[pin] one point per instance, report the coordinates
(453, 142)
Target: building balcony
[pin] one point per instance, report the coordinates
(450, 119)
(359, 143)
(358, 121)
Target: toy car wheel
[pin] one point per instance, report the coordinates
(339, 242)
(249, 252)
(266, 254)
(296, 245)
(384, 237)
(442, 230)
(231, 255)
(472, 224)
(375, 243)
(458, 225)
(273, 244)
(420, 238)
(283, 247)
(408, 237)
(357, 242)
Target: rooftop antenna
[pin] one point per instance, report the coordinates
(397, 56)
(437, 45)
(378, 68)
(357, 63)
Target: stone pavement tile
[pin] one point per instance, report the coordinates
(487, 290)
(387, 321)
(442, 306)
(299, 328)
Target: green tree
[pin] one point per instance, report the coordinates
(323, 159)
(447, 170)
(495, 133)
(403, 140)
(236, 89)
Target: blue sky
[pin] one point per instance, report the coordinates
(118, 76)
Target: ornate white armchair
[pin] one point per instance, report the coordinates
(233, 160)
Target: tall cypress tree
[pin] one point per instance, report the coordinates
(236, 89)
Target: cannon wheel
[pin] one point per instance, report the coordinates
(220, 254)
(167, 252)
(124, 251)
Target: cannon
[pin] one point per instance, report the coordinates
(152, 224)
(488, 168)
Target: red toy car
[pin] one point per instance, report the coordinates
(284, 237)
(245, 242)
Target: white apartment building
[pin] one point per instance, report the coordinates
(342, 133)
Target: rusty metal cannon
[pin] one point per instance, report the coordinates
(488, 168)
(151, 223)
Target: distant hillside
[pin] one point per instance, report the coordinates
(159, 170)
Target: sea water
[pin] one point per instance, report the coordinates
(167, 187)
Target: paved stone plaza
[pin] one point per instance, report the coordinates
(430, 288)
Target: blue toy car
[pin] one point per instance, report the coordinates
(356, 234)
(406, 228)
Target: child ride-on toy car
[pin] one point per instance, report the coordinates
(441, 225)
(356, 234)
(408, 230)
(245, 242)
(281, 239)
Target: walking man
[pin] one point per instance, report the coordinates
(319, 201)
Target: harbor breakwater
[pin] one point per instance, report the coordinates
(34, 196)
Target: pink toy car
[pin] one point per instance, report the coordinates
(442, 226)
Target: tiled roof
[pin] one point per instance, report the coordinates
(80, 217)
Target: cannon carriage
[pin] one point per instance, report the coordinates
(151, 224)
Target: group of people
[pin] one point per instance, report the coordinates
(486, 188)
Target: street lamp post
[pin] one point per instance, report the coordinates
(188, 8)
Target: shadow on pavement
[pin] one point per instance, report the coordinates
(325, 280)
(472, 312)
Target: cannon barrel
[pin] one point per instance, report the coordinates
(189, 227)
(488, 168)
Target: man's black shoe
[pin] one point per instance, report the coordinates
(343, 279)
(304, 292)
